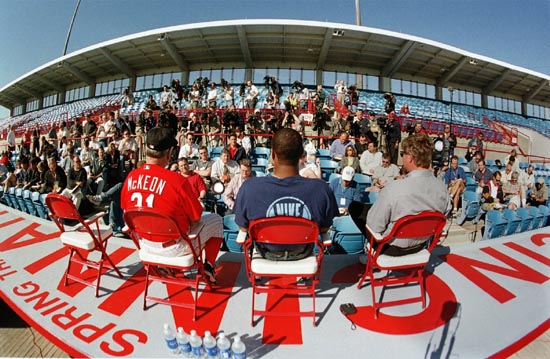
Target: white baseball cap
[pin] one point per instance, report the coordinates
(348, 173)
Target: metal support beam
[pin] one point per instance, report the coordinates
(450, 74)
(14, 99)
(57, 87)
(397, 60)
(29, 92)
(244, 46)
(174, 54)
(491, 86)
(324, 49)
(529, 96)
(81, 75)
(119, 64)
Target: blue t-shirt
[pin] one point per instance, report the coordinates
(296, 196)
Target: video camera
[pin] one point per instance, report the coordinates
(298, 86)
(242, 89)
(224, 83)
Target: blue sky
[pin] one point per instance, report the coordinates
(33, 32)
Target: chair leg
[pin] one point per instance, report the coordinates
(99, 270)
(67, 271)
(146, 287)
(253, 296)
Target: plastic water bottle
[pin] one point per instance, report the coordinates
(170, 338)
(210, 345)
(239, 349)
(196, 344)
(224, 347)
(183, 343)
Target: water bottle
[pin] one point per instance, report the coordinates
(239, 349)
(210, 345)
(196, 344)
(224, 347)
(170, 339)
(183, 343)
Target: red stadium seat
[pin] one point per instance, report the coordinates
(146, 222)
(297, 277)
(407, 269)
(86, 237)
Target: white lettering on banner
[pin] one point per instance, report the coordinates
(80, 324)
(146, 183)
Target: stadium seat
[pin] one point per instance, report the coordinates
(28, 202)
(86, 237)
(495, 225)
(261, 152)
(514, 221)
(323, 154)
(363, 181)
(402, 271)
(259, 164)
(282, 277)
(230, 231)
(543, 216)
(526, 219)
(327, 168)
(470, 206)
(12, 199)
(534, 212)
(346, 237)
(143, 223)
(20, 200)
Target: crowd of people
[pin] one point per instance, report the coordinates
(96, 161)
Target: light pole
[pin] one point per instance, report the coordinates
(70, 28)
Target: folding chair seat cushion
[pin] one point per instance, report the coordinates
(81, 238)
(186, 260)
(260, 265)
(408, 260)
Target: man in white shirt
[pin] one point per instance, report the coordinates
(243, 140)
(11, 139)
(252, 95)
(224, 169)
(230, 193)
(370, 159)
(189, 149)
(212, 95)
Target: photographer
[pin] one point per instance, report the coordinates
(319, 97)
(341, 91)
(393, 137)
(228, 93)
(389, 106)
(321, 124)
(231, 119)
(276, 88)
(256, 126)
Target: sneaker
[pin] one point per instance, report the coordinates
(95, 200)
(210, 273)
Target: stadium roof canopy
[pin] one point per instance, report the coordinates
(280, 44)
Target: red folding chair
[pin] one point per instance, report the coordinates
(147, 223)
(297, 277)
(407, 269)
(84, 238)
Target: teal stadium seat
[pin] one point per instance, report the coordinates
(230, 232)
(495, 225)
(526, 219)
(346, 237)
(514, 221)
(470, 206)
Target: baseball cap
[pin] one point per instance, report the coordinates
(348, 173)
(160, 139)
(540, 180)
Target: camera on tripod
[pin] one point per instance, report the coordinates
(297, 86)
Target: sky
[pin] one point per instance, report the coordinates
(33, 32)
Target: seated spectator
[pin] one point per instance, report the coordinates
(203, 165)
(224, 169)
(285, 194)
(309, 166)
(507, 174)
(482, 175)
(539, 194)
(419, 191)
(471, 152)
(197, 185)
(374, 128)
(405, 110)
(350, 160)
(361, 145)
(243, 140)
(528, 178)
(512, 157)
(338, 147)
(190, 148)
(97, 171)
(472, 164)
(236, 151)
(370, 159)
(87, 153)
(455, 179)
(230, 193)
(55, 179)
(513, 192)
(345, 189)
(128, 148)
(76, 182)
(419, 129)
(383, 175)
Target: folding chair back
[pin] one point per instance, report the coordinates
(407, 269)
(87, 236)
(152, 223)
(297, 277)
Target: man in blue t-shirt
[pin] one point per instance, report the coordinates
(285, 193)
